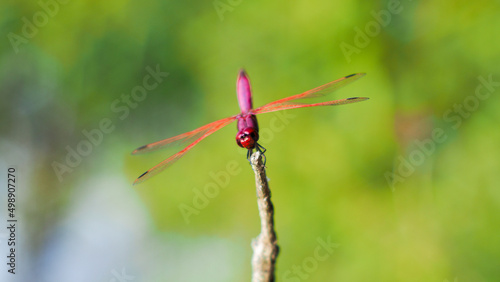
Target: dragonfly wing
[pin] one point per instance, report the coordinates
(201, 133)
(288, 106)
(181, 139)
(319, 91)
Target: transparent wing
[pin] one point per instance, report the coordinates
(286, 103)
(181, 139)
(197, 135)
(301, 105)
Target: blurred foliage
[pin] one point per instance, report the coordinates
(331, 169)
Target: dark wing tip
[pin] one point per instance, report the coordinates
(358, 98)
(138, 149)
(361, 74)
(139, 178)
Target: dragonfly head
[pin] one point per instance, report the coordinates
(247, 138)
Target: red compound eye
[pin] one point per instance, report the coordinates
(247, 138)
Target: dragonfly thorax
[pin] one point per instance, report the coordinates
(247, 138)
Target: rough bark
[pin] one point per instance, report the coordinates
(265, 247)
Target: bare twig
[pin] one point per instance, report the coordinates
(265, 248)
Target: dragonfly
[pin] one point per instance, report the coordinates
(248, 128)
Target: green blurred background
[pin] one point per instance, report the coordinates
(405, 185)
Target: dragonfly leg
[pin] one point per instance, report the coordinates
(249, 154)
(262, 150)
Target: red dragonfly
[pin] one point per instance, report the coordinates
(248, 128)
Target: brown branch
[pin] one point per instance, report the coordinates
(265, 248)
